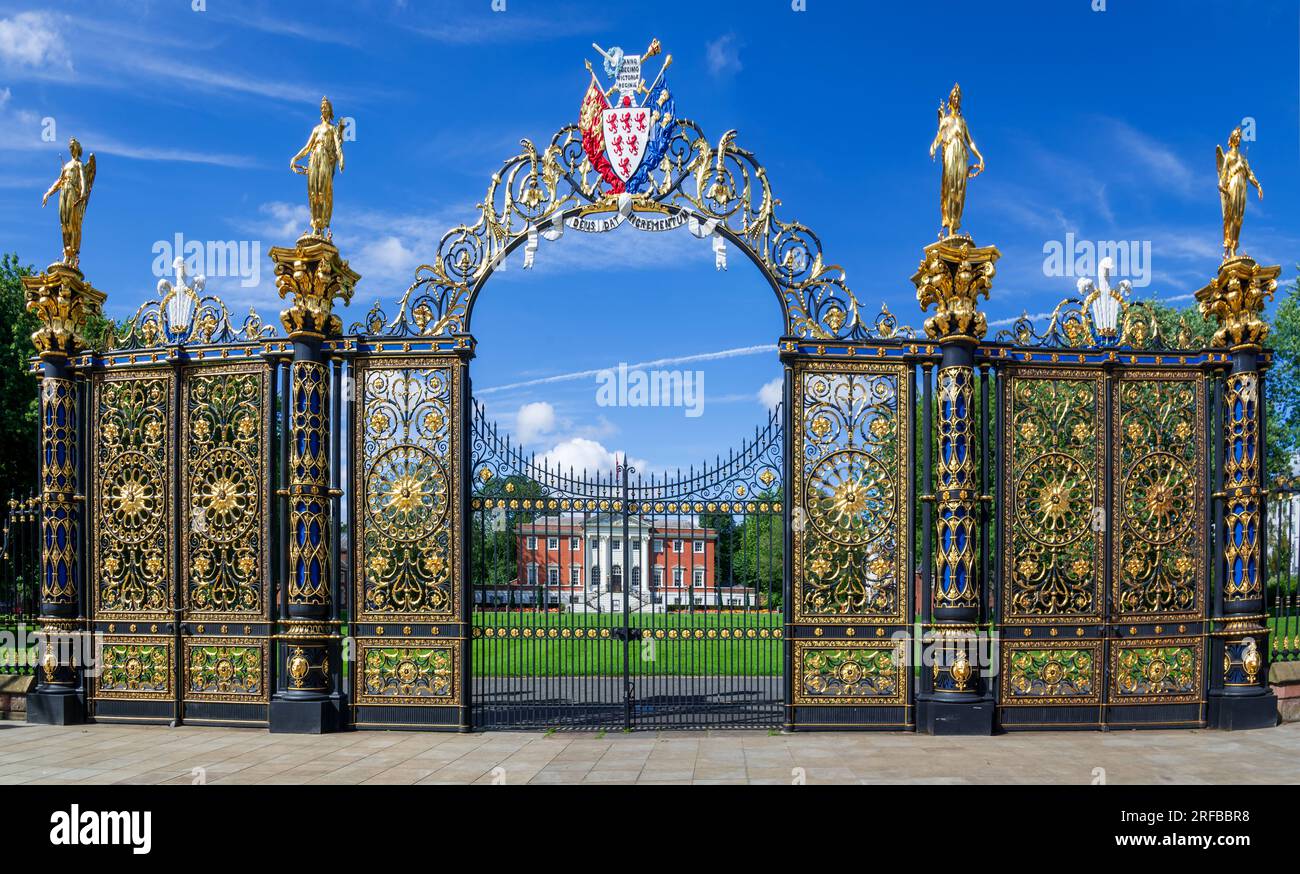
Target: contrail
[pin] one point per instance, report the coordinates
(660, 362)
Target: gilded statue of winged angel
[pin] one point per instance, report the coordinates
(1235, 178)
(74, 184)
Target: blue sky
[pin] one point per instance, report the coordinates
(1097, 124)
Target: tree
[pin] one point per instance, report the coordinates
(1283, 384)
(1173, 321)
(18, 388)
(757, 559)
(724, 524)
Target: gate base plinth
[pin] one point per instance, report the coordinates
(55, 708)
(303, 717)
(1238, 713)
(952, 717)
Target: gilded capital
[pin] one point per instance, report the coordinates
(952, 275)
(63, 301)
(1236, 298)
(315, 275)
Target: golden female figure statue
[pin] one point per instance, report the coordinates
(325, 147)
(74, 184)
(958, 146)
(1234, 181)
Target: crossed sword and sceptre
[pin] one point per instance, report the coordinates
(614, 61)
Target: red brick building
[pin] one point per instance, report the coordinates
(570, 560)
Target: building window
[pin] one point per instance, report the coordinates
(636, 546)
(575, 576)
(677, 546)
(616, 577)
(532, 573)
(677, 578)
(616, 545)
(657, 545)
(532, 542)
(595, 576)
(553, 543)
(698, 546)
(575, 543)
(636, 578)
(658, 577)
(553, 576)
(699, 578)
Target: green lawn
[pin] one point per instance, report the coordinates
(674, 644)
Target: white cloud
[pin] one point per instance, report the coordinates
(580, 454)
(534, 420)
(4, 97)
(284, 220)
(386, 258)
(724, 55)
(640, 365)
(770, 394)
(31, 39)
(1162, 165)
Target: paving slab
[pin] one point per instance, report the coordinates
(107, 754)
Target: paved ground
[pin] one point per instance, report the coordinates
(140, 754)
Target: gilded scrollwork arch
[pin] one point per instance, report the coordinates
(712, 188)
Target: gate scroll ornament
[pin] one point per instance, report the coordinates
(682, 178)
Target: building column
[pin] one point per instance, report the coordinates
(956, 697)
(1240, 696)
(62, 300)
(308, 640)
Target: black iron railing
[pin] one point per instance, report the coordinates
(618, 600)
(20, 559)
(1283, 560)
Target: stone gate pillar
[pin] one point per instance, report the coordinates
(308, 634)
(63, 301)
(1239, 645)
(955, 697)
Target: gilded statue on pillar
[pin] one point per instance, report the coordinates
(74, 183)
(324, 153)
(1237, 295)
(1235, 179)
(954, 140)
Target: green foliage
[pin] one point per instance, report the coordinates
(494, 554)
(1172, 321)
(18, 387)
(758, 555)
(1283, 385)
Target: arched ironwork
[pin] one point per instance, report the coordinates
(711, 188)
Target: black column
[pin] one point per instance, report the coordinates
(958, 700)
(1239, 694)
(57, 698)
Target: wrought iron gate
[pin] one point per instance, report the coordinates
(852, 571)
(1089, 500)
(408, 510)
(1104, 519)
(181, 467)
(624, 599)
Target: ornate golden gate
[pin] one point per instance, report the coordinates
(409, 510)
(1103, 602)
(180, 538)
(1068, 532)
